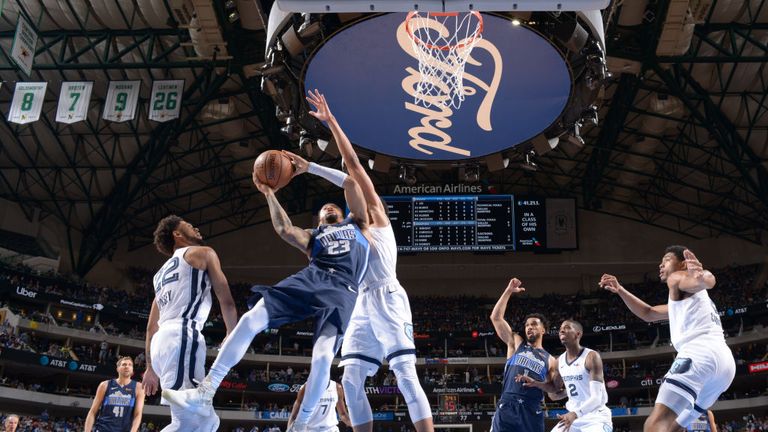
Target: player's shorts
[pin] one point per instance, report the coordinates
(703, 369)
(313, 292)
(381, 327)
(178, 354)
(515, 416)
(596, 421)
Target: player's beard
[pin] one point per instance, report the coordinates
(194, 240)
(331, 218)
(532, 339)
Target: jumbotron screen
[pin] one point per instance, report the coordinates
(481, 223)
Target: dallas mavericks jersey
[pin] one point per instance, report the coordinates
(576, 378)
(529, 361)
(116, 412)
(693, 317)
(324, 416)
(701, 424)
(341, 249)
(383, 261)
(182, 292)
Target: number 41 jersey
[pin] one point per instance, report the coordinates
(182, 292)
(341, 249)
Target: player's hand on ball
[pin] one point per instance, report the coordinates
(515, 286)
(322, 112)
(610, 283)
(300, 164)
(567, 420)
(693, 265)
(261, 186)
(150, 381)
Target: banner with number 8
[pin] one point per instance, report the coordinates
(73, 101)
(122, 98)
(27, 102)
(165, 102)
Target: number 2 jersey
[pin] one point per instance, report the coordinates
(576, 378)
(116, 412)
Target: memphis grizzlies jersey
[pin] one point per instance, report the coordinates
(341, 249)
(383, 262)
(692, 318)
(529, 361)
(182, 292)
(701, 424)
(576, 378)
(116, 412)
(325, 416)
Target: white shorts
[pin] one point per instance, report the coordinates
(178, 356)
(381, 327)
(703, 369)
(596, 421)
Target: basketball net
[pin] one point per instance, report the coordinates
(442, 41)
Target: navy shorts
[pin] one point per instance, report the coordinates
(311, 293)
(513, 416)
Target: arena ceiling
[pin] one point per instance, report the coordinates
(682, 141)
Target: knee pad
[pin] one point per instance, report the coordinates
(408, 383)
(358, 406)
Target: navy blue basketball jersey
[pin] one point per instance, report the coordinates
(701, 424)
(341, 249)
(116, 412)
(530, 361)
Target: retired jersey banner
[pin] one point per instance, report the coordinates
(122, 98)
(24, 43)
(73, 101)
(27, 102)
(165, 103)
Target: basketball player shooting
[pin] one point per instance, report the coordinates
(519, 408)
(704, 367)
(326, 289)
(381, 325)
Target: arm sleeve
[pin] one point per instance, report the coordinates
(332, 175)
(598, 397)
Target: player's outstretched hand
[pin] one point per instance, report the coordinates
(150, 381)
(322, 112)
(300, 164)
(528, 381)
(610, 283)
(693, 265)
(566, 420)
(515, 286)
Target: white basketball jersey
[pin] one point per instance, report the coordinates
(576, 379)
(382, 263)
(182, 292)
(325, 416)
(693, 317)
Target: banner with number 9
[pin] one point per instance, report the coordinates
(121, 101)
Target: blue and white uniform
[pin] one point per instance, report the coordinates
(116, 411)
(520, 408)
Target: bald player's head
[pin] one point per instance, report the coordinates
(571, 332)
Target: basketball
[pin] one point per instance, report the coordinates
(273, 168)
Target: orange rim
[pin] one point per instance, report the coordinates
(443, 47)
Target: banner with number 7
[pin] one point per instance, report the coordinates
(165, 102)
(74, 99)
(27, 102)
(121, 101)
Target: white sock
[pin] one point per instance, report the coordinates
(251, 323)
(319, 373)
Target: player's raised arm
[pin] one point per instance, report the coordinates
(694, 278)
(90, 419)
(503, 330)
(643, 310)
(356, 170)
(293, 235)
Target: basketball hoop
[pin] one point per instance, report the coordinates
(442, 41)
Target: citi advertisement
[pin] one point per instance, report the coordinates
(516, 84)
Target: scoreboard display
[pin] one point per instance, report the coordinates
(481, 223)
